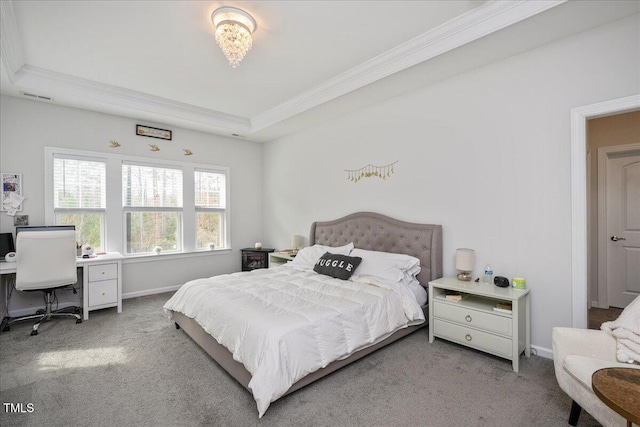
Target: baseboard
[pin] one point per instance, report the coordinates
(150, 292)
(547, 353)
(31, 309)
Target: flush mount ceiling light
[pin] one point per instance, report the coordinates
(233, 32)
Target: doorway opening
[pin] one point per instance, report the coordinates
(597, 316)
(613, 177)
(579, 212)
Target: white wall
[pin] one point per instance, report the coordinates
(486, 154)
(28, 126)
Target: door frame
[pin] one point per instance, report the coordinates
(579, 116)
(603, 247)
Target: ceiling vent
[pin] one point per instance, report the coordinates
(38, 97)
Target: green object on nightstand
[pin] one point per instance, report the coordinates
(519, 283)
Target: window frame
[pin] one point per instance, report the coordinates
(115, 239)
(198, 209)
(80, 211)
(158, 209)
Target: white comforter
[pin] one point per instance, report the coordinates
(283, 323)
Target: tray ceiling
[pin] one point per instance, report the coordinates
(158, 60)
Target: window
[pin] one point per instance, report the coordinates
(134, 205)
(210, 202)
(152, 204)
(79, 198)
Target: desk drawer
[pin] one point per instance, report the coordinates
(103, 272)
(103, 292)
(469, 317)
(473, 338)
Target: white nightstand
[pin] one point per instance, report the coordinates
(474, 323)
(276, 259)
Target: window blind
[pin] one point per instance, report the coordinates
(79, 184)
(150, 186)
(210, 189)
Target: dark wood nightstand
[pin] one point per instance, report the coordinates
(255, 258)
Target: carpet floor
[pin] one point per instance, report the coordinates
(136, 369)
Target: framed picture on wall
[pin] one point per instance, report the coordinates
(153, 132)
(11, 192)
(21, 220)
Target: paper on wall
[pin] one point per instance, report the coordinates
(15, 199)
(12, 203)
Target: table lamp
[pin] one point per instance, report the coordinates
(296, 242)
(465, 261)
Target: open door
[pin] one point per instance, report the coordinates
(619, 234)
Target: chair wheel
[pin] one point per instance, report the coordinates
(6, 328)
(34, 332)
(78, 320)
(177, 326)
(40, 311)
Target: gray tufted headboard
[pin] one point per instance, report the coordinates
(376, 232)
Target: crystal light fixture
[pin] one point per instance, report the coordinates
(233, 32)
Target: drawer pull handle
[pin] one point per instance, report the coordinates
(467, 318)
(103, 294)
(467, 337)
(103, 273)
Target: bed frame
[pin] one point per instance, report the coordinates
(367, 230)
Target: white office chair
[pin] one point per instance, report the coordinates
(46, 261)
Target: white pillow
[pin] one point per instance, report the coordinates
(307, 257)
(389, 267)
(413, 271)
(418, 291)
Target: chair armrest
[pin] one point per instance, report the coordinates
(596, 348)
(582, 342)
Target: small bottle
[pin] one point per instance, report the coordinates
(488, 274)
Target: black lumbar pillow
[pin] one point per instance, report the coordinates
(338, 266)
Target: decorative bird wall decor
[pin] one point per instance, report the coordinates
(187, 152)
(154, 147)
(114, 144)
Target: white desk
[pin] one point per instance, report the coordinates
(101, 281)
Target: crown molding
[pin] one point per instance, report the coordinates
(66, 86)
(475, 24)
(10, 42)
(75, 88)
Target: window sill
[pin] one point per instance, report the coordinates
(134, 259)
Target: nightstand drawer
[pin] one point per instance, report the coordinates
(103, 272)
(473, 338)
(103, 292)
(468, 317)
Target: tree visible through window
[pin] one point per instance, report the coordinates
(80, 198)
(152, 208)
(141, 204)
(210, 200)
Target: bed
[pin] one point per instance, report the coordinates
(367, 231)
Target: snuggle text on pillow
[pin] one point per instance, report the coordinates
(334, 263)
